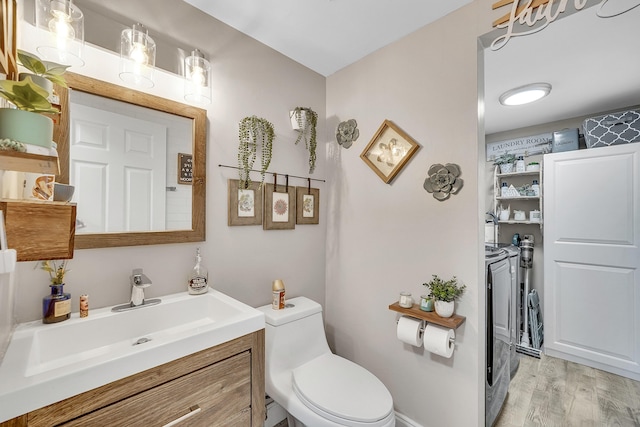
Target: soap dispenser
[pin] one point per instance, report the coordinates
(198, 277)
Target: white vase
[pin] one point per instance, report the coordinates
(444, 308)
(506, 168)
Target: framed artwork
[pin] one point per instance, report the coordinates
(244, 205)
(185, 168)
(389, 150)
(307, 205)
(279, 208)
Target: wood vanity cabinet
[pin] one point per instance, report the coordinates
(219, 386)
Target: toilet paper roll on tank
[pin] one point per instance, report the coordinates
(436, 339)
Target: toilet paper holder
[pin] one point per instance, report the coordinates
(423, 327)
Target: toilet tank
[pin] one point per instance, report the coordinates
(294, 335)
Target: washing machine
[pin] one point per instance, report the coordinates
(498, 283)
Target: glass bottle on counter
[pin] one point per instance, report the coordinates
(198, 277)
(56, 307)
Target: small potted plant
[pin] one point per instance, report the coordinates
(56, 307)
(27, 122)
(505, 161)
(445, 292)
(305, 120)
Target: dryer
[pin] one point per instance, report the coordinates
(498, 283)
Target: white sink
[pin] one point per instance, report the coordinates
(47, 363)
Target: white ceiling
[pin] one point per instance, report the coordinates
(592, 63)
(327, 35)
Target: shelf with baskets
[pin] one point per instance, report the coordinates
(531, 204)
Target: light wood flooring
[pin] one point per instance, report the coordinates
(553, 392)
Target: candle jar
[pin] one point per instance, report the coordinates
(57, 306)
(406, 301)
(426, 303)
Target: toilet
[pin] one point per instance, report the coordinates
(316, 387)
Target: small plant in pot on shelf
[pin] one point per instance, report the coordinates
(445, 292)
(56, 307)
(305, 120)
(253, 132)
(505, 161)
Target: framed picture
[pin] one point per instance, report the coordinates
(244, 204)
(185, 168)
(307, 205)
(389, 150)
(279, 208)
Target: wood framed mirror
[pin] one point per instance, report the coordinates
(136, 227)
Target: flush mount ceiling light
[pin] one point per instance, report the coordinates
(525, 94)
(197, 78)
(63, 24)
(137, 56)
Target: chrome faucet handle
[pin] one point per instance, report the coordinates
(139, 279)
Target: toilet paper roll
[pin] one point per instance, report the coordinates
(410, 330)
(439, 340)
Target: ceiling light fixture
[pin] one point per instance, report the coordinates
(63, 24)
(197, 78)
(137, 56)
(525, 94)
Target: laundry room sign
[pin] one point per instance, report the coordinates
(524, 146)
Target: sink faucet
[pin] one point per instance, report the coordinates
(139, 281)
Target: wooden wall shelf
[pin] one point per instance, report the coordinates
(430, 316)
(26, 162)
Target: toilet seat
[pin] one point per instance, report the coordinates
(342, 391)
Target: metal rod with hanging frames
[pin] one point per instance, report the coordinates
(275, 173)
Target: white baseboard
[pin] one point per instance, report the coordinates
(404, 421)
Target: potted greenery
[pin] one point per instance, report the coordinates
(29, 96)
(505, 161)
(445, 292)
(254, 131)
(305, 120)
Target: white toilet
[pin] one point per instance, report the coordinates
(316, 387)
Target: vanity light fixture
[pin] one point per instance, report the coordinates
(197, 78)
(525, 94)
(63, 25)
(137, 56)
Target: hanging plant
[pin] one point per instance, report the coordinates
(305, 120)
(254, 131)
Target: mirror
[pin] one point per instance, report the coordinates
(181, 127)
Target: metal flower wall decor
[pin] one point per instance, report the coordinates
(347, 132)
(443, 181)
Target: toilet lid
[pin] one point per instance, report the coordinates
(334, 386)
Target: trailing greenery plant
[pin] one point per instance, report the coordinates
(307, 122)
(504, 159)
(445, 290)
(254, 131)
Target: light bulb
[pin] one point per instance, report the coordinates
(197, 76)
(139, 54)
(60, 25)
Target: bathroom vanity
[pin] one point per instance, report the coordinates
(186, 361)
(219, 386)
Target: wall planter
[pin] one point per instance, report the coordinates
(304, 120)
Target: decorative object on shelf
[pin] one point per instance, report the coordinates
(307, 205)
(197, 78)
(520, 166)
(137, 56)
(244, 204)
(56, 307)
(406, 300)
(62, 192)
(7, 144)
(253, 132)
(533, 167)
(388, 151)
(43, 73)
(347, 133)
(503, 213)
(505, 162)
(445, 292)
(443, 181)
(279, 207)
(535, 216)
(63, 23)
(519, 215)
(305, 120)
(426, 303)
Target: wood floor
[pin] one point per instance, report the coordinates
(554, 392)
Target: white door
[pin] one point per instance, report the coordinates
(591, 257)
(118, 166)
